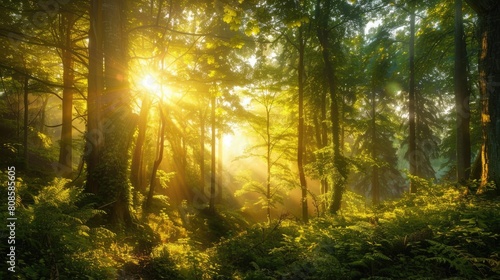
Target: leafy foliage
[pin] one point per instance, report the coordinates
(53, 240)
(439, 233)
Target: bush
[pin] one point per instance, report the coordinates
(53, 240)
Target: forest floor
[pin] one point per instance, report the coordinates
(442, 232)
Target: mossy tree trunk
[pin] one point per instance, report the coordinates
(110, 173)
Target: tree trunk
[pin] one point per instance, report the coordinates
(489, 79)
(340, 172)
(321, 131)
(462, 96)
(180, 190)
(268, 163)
(160, 146)
(66, 148)
(110, 173)
(26, 121)
(211, 205)
(412, 142)
(301, 136)
(137, 175)
(94, 136)
(220, 165)
(324, 138)
(202, 153)
(374, 177)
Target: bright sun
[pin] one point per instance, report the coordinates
(152, 86)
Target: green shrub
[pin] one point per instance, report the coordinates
(53, 240)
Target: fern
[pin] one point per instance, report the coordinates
(454, 258)
(55, 233)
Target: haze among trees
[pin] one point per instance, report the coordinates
(326, 139)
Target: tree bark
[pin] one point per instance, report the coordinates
(26, 121)
(160, 146)
(109, 174)
(462, 96)
(137, 172)
(301, 136)
(324, 139)
(489, 80)
(211, 205)
(66, 148)
(374, 177)
(94, 136)
(220, 165)
(340, 172)
(412, 142)
(202, 152)
(268, 162)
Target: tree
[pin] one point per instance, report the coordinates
(160, 147)
(302, 40)
(137, 168)
(269, 121)
(412, 142)
(323, 32)
(66, 150)
(109, 178)
(489, 79)
(213, 102)
(94, 135)
(462, 96)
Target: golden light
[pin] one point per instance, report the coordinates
(227, 139)
(152, 86)
(149, 82)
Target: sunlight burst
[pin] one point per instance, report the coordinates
(151, 85)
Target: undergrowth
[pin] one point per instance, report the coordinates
(439, 233)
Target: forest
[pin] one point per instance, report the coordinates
(250, 139)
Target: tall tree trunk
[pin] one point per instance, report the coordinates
(43, 114)
(412, 146)
(301, 129)
(118, 136)
(374, 177)
(340, 173)
(211, 205)
(321, 131)
(462, 96)
(202, 153)
(180, 190)
(26, 121)
(268, 163)
(118, 123)
(95, 134)
(66, 148)
(489, 79)
(137, 168)
(160, 146)
(324, 138)
(220, 165)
